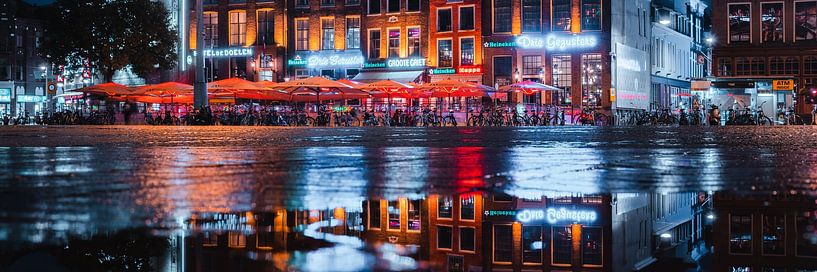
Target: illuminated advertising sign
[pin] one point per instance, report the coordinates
(498, 44)
(556, 42)
(443, 71)
(30, 98)
(5, 95)
(379, 64)
(492, 213)
(469, 70)
(404, 63)
(328, 59)
(226, 52)
(632, 83)
(557, 216)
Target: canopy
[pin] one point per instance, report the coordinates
(109, 89)
(454, 88)
(167, 89)
(388, 88)
(399, 76)
(527, 87)
(318, 86)
(234, 84)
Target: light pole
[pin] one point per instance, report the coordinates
(200, 86)
(47, 92)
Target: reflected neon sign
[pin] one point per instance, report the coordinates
(555, 216)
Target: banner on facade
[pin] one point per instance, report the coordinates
(632, 78)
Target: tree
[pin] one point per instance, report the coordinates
(111, 35)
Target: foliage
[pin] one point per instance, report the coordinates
(111, 35)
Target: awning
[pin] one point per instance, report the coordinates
(399, 76)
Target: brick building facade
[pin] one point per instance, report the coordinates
(455, 46)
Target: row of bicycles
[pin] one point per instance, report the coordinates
(741, 114)
(62, 118)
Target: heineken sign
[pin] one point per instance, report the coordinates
(498, 44)
(443, 71)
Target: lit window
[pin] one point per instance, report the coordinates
(740, 234)
(739, 22)
(502, 16)
(532, 244)
(353, 32)
(238, 28)
(445, 206)
(237, 239)
(414, 214)
(531, 65)
(561, 15)
(467, 51)
(394, 215)
(591, 79)
(302, 34)
(805, 18)
(394, 43)
(327, 33)
(467, 207)
(444, 53)
(413, 41)
(771, 22)
(374, 44)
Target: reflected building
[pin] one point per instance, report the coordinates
(775, 232)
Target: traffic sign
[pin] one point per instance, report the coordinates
(52, 88)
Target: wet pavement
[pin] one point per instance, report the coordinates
(65, 191)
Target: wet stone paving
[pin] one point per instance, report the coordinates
(300, 199)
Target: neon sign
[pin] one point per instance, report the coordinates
(226, 52)
(526, 41)
(469, 70)
(297, 60)
(328, 59)
(558, 42)
(554, 216)
(412, 62)
(498, 44)
(500, 212)
(5, 95)
(443, 71)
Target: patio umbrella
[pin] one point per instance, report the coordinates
(110, 89)
(166, 90)
(387, 88)
(354, 84)
(454, 88)
(527, 87)
(317, 85)
(237, 87)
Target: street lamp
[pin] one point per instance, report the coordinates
(48, 94)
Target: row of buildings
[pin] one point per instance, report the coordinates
(476, 231)
(597, 52)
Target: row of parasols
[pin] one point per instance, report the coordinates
(312, 89)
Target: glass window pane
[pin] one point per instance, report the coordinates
(591, 245)
(774, 234)
(445, 55)
(413, 5)
(394, 215)
(591, 79)
(531, 15)
(394, 43)
(353, 32)
(740, 234)
(562, 245)
(327, 33)
(591, 14)
(805, 20)
(532, 244)
(503, 243)
(467, 239)
(444, 20)
(445, 206)
(739, 22)
(502, 16)
(414, 214)
(374, 6)
(467, 51)
(413, 41)
(771, 21)
(561, 15)
(807, 234)
(444, 237)
(466, 18)
(374, 214)
(467, 208)
(374, 44)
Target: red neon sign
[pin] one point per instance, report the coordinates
(469, 70)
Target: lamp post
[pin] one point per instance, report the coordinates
(47, 92)
(200, 87)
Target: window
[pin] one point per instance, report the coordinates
(562, 245)
(445, 237)
(591, 79)
(327, 3)
(393, 6)
(445, 207)
(502, 16)
(531, 15)
(466, 18)
(413, 41)
(414, 214)
(758, 66)
(724, 67)
(771, 22)
(503, 71)
(467, 51)
(352, 2)
(302, 34)
(444, 53)
(266, 27)
(374, 44)
(502, 197)
(467, 207)
(532, 244)
(531, 65)
(352, 32)
(739, 22)
(810, 65)
(265, 75)
(503, 243)
(742, 67)
(238, 27)
(351, 73)
(327, 33)
(210, 29)
(394, 215)
(304, 73)
(236, 239)
(302, 3)
(394, 43)
(444, 20)
(740, 234)
(374, 6)
(561, 15)
(805, 20)
(210, 239)
(777, 66)
(374, 211)
(412, 5)
(774, 234)
(467, 238)
(806, 234)
(792, 66)
(591, 246)
(591, 14)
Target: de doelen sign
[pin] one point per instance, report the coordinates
(557, 215)
(226, 52)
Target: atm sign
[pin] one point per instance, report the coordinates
(783, 85)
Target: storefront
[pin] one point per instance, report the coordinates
(772, 96)
(331, 64)
(402, 70)
(5, 101)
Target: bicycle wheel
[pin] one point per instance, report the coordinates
(450, 121)
(765, 121)
(310, 122)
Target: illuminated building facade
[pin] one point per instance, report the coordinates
(455, 46)
(759, 42)
(22, 81)
(456, 241)
(571, 44)
(395, 35)
(242, 38)
(765, 232)
(324, 38)
(402, 222)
